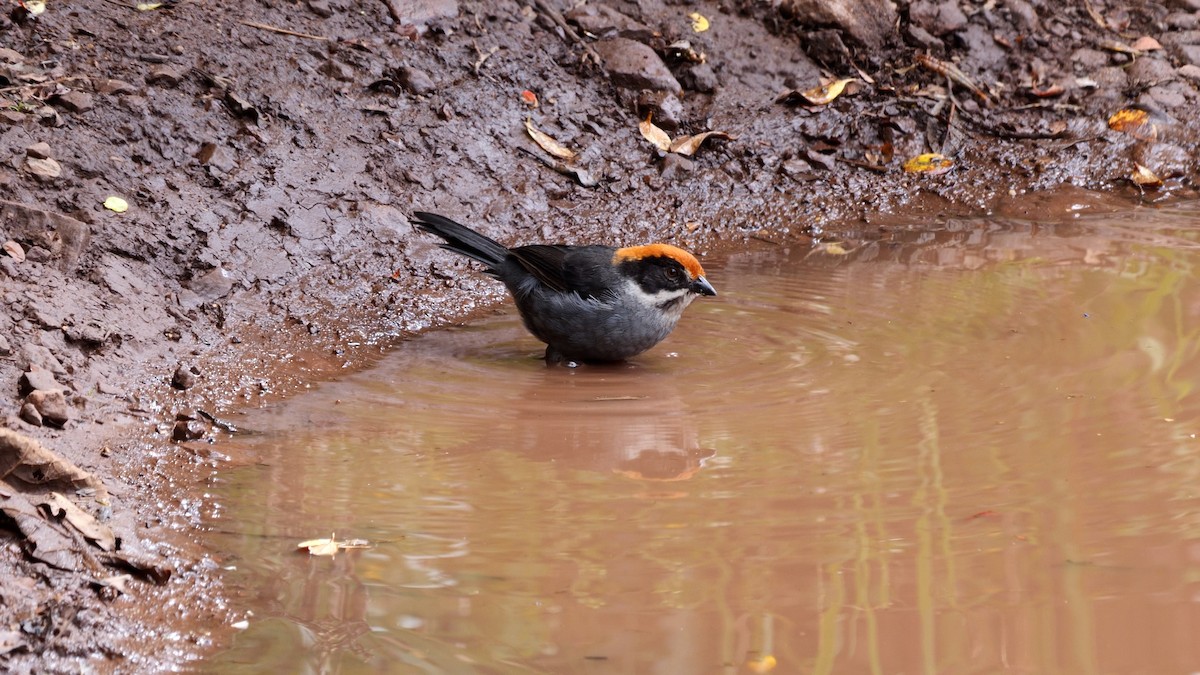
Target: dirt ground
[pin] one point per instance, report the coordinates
(268, 153)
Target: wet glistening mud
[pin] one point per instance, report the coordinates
(966, 449)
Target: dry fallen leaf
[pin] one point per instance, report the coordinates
(85, 523)
(826, 92)
(14, 250)
(930, 163)
(688, 145)
(699, 22)
(116, 204)
(655, 135)
(148, 6)
(1134, 122)
(835, 248)
(545, 142)
(1144, 177)
(529, 98)
(762, 664)
(34, 7)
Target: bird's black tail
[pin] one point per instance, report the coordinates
(463, 240)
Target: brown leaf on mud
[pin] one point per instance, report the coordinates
(14, 250)
(1144, 177)
(1134, 122)
(657, 137)
(688, 145)
(930, 164)
(43, 541)
(85, 523)
(548, 143)
(24, 459)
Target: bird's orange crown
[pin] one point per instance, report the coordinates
(675, 253)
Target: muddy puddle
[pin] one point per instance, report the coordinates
(972, 449)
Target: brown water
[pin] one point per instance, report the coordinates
(966, 450)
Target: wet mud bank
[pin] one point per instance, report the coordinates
(263, 160)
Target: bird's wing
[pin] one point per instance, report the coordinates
(567, 268)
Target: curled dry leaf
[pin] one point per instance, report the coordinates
(930, 163)
(14, 250)
(116, 204)
(699, 22)
(826, 92)
(547, 143)
(688, 145)
(1144, 177)
(148, 6)
(1134, 122)
(85, 523)
(655, 135)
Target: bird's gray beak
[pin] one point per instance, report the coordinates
(701, 287)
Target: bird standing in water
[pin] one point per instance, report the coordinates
(587, 303)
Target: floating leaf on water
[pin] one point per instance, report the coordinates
(547, 143)
(655, 135)
(116, 204)
(688, 145)
(699, 22)
(14, 250)
(331, 546)
(835, 248)
(1134, 122)
(529, 98)
(762, 664)
(930, 163)
(826, 92)
(1144, 177)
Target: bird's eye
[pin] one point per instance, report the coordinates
(673, 273)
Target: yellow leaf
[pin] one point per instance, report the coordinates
(688, 145)
(116, 204)
(35, 7)
(929, 163)
(1144, 177)
(699, 22)
(835, 248)
(1134, 122)
(826, 92)
(547, 143)
(148, 6)
(657, 136)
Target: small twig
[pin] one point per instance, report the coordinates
(483, 57)
(282, 31)
(557, 18)
(952, 73)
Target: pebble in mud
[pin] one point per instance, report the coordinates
(50, 405)
(37, 378)
(634, 65)
(165, 75)
(184, 377)
(74, 101)
(415, 81)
